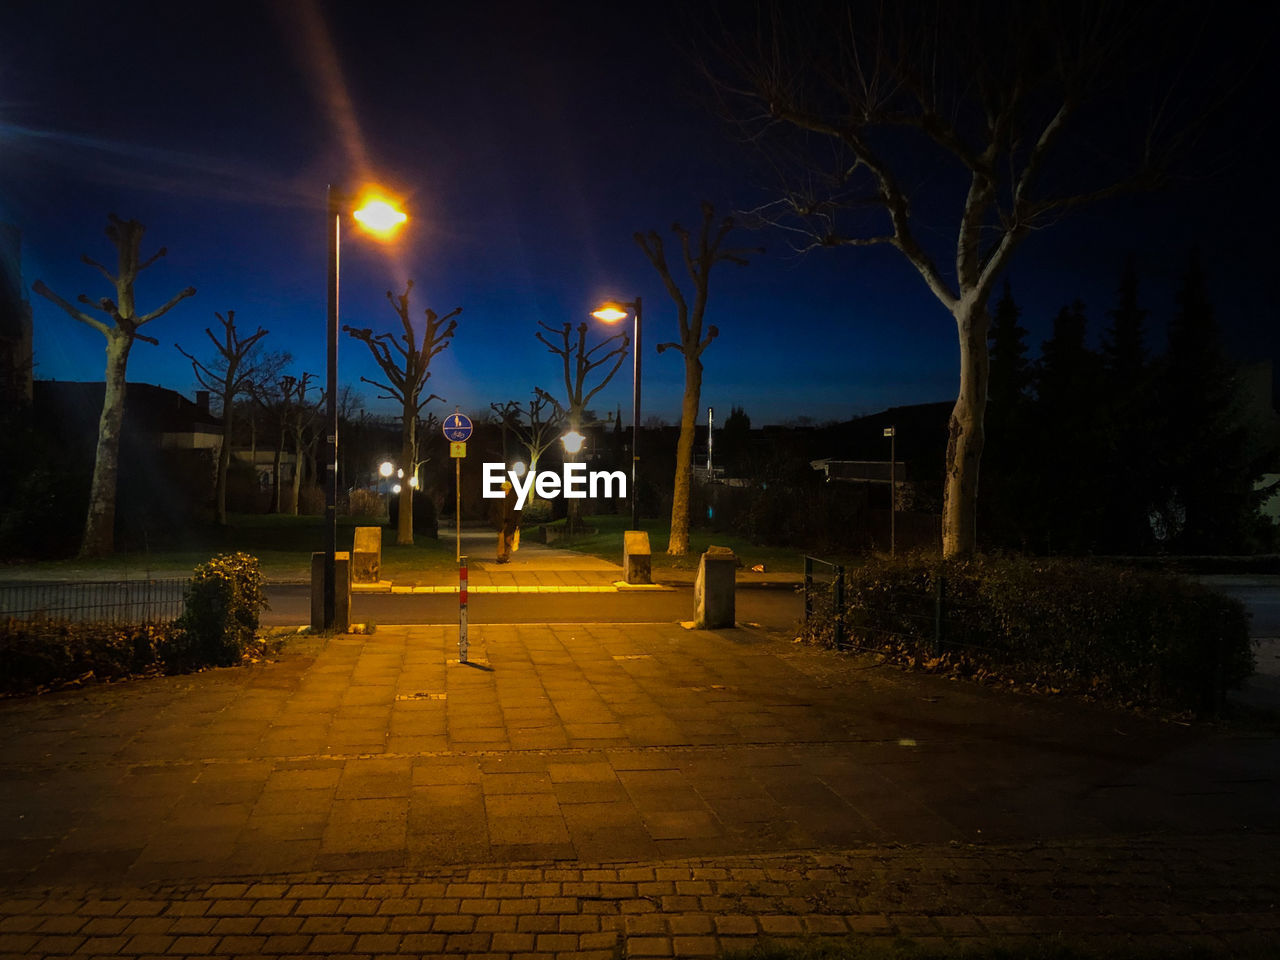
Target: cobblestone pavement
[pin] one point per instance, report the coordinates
(611, 787)
(1218, 893)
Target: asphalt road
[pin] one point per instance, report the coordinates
(775, 609)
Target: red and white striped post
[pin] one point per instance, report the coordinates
(462, 609)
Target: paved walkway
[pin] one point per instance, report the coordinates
(588, 788)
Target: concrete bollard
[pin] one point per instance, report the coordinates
(342, 590)
(713, 591)
(636, 558)
(366, 555)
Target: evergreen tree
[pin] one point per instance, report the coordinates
(1006, 492)
(1128, 470)
(1067, 442)
(732, 444)
(1207, 501)
(1010, 370)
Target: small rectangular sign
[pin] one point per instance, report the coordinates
(458, 449)
(888, 431)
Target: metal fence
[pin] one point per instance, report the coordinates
(824, 596)
(120, 601)
(926, 615)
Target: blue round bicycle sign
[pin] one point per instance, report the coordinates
(457, 428)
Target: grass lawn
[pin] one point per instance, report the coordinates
(282, 544)
(606, 542)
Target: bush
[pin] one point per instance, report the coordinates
(220, 617)
(1144, 638)
(39, 654)
(424, 515)
(364, 503)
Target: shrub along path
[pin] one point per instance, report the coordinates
(582, 786)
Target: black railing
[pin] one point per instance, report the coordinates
(824, 597)
(119, 601)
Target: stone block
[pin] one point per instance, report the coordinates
(713, 591)
(342, 591)
(366, 555)
(636, 558)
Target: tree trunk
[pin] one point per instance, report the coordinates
(295, 488)
(408, 454)
(224, 463)
(276, 486)
(964, 445)
(678, 544)
(100, 524)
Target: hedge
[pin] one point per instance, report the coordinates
(1142, 637)
(218, 625)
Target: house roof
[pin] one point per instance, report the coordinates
(148, 408)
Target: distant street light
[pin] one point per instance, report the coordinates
(385, 468)
(612, 312)
(519, 469)
(378, 216)
(572, 442)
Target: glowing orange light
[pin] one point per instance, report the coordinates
(380, 217)
(610, 313)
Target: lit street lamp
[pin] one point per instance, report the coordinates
(380, 218)
(612, 312)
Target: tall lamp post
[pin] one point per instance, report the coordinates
(382, 219)
(612, 312)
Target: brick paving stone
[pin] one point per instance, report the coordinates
(694, 946)
(649, 947)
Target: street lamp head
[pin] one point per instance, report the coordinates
(379, 217)
(572, 441)
(385, 468)
(612, 312)
(519, 469)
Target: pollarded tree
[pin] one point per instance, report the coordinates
(120, 333)
(1010, 99)
(699, 257)
(407, 371)
(536, 424)
(229, 375)
(577, 362)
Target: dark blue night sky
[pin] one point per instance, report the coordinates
(529, 140)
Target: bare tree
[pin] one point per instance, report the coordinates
(577, 362)
(1020, 105)
(121, 332)
(699, 257)
(228, 375)
(407, 372)
(535, 424)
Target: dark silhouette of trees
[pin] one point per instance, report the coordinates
(229, 376)
(1068, 447)
(1129, 474)
(1207, 502)
(849, 100)
(733, 444)
(407, 371)
(1006, 497)
(699, 257)
(120, 333)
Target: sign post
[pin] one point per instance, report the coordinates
(892, 434)
(457, 430)
(462, 610)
